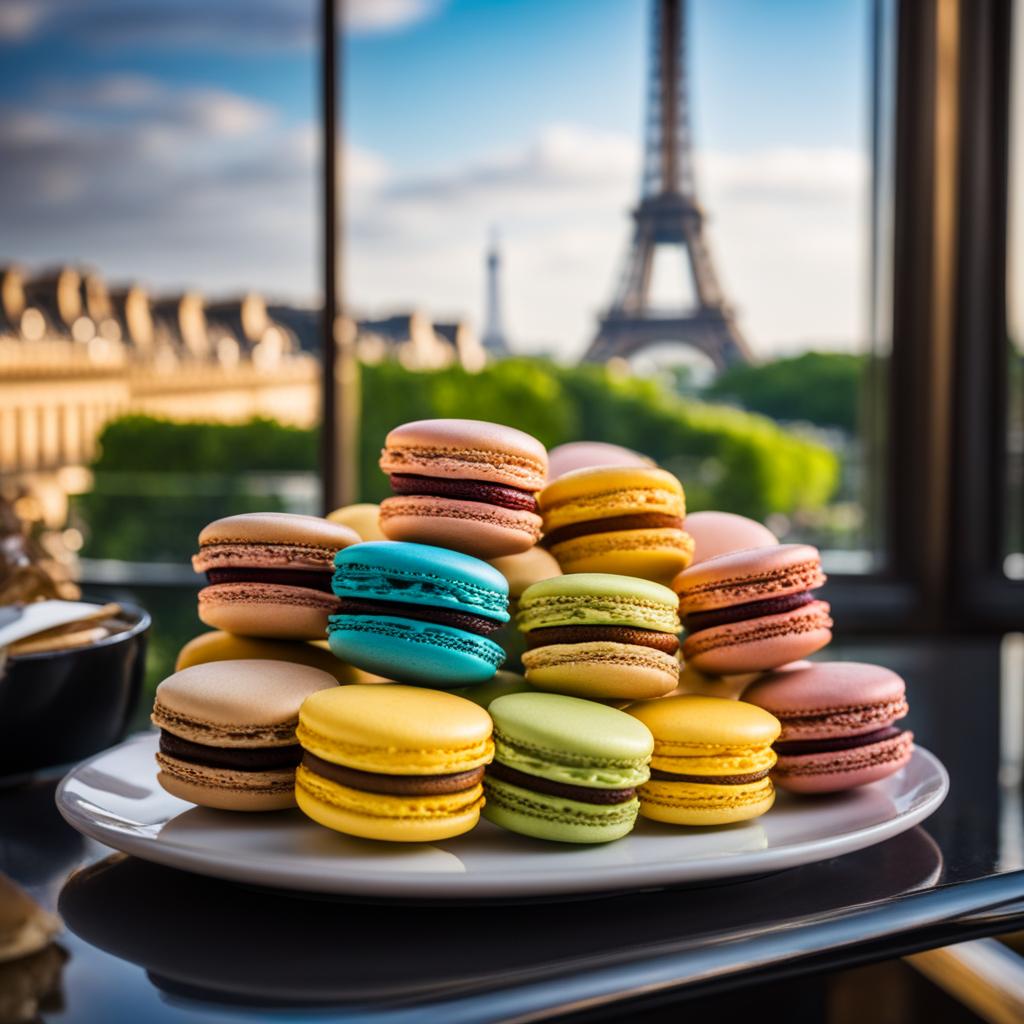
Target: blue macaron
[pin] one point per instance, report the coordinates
(418, 613)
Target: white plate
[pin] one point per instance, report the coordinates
(115, 799)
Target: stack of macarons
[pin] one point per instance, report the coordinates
(599, 732)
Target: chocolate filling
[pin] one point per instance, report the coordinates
(697, 621)
(312, 579)
(464, 490)
(666, 642)
(394, 785)
(790, 748)
(585, 794)
(709, 780)
(239, 759)
(637, 521)
(442, 616)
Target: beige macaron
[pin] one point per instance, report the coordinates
(269, 574)
(227, 732)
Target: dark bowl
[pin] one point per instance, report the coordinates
(61, 706)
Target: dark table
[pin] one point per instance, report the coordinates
(146, 943)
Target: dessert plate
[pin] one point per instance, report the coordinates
(114, 798)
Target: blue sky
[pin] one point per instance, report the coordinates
(176, 141)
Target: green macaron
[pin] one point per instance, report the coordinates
(564, 768)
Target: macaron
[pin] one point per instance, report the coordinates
(418, 613)
(566, 458)
(463, 484)
(393, 762)
(601, 636)
(269, 574)
(525, 569)
(719, 533)
(227, 732)
(565, 769)
(364, 518)
(711, 763)
(753, 610)
(626, 520)
(839, 726)
(521, 571)
(221, 646)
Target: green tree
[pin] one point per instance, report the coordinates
(816, 387)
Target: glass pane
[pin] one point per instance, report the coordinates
(494, 153)
(1013, 540)
(158, 316)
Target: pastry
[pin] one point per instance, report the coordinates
(418, 613)
(601, 636)
(393, 762)
(221, 646)
(626, 520)
(711, 760)
(719, 533)
(269, 574)
(586, 454)
(838, 724)
(227, 732)
(565, 769)
(363, 518)
(463, 484)
(753, 610)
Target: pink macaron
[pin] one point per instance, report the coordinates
(753, 610)
(719, 533)
(586, 454)
(839, 726)
(466, 485)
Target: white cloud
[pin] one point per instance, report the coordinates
(387, 15)
(227, 25)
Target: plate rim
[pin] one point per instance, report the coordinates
(267, 872)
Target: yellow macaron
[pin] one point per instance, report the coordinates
(221, 646)
(400, 763)
(620, 519)
(711, 760)
(364, 518)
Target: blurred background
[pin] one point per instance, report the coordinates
(501, 211)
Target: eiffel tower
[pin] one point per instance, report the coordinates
(669, 215)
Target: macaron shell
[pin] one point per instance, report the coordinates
(237, 703)
(473, 527)
(421, 574)
(221, 646)
(657, 554)
(397, 730)
(413, 651)
(571, 740)
(224, 789)
(266, 610)
(844, 769)
(586, 494)
(277, 527)
(831, 698)
(394, 819)
(557, 819)
(598, 599)
(602, 669)
(756, 574)
(462, 449)
(720, 533)
(761, 644)
(683, 803)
